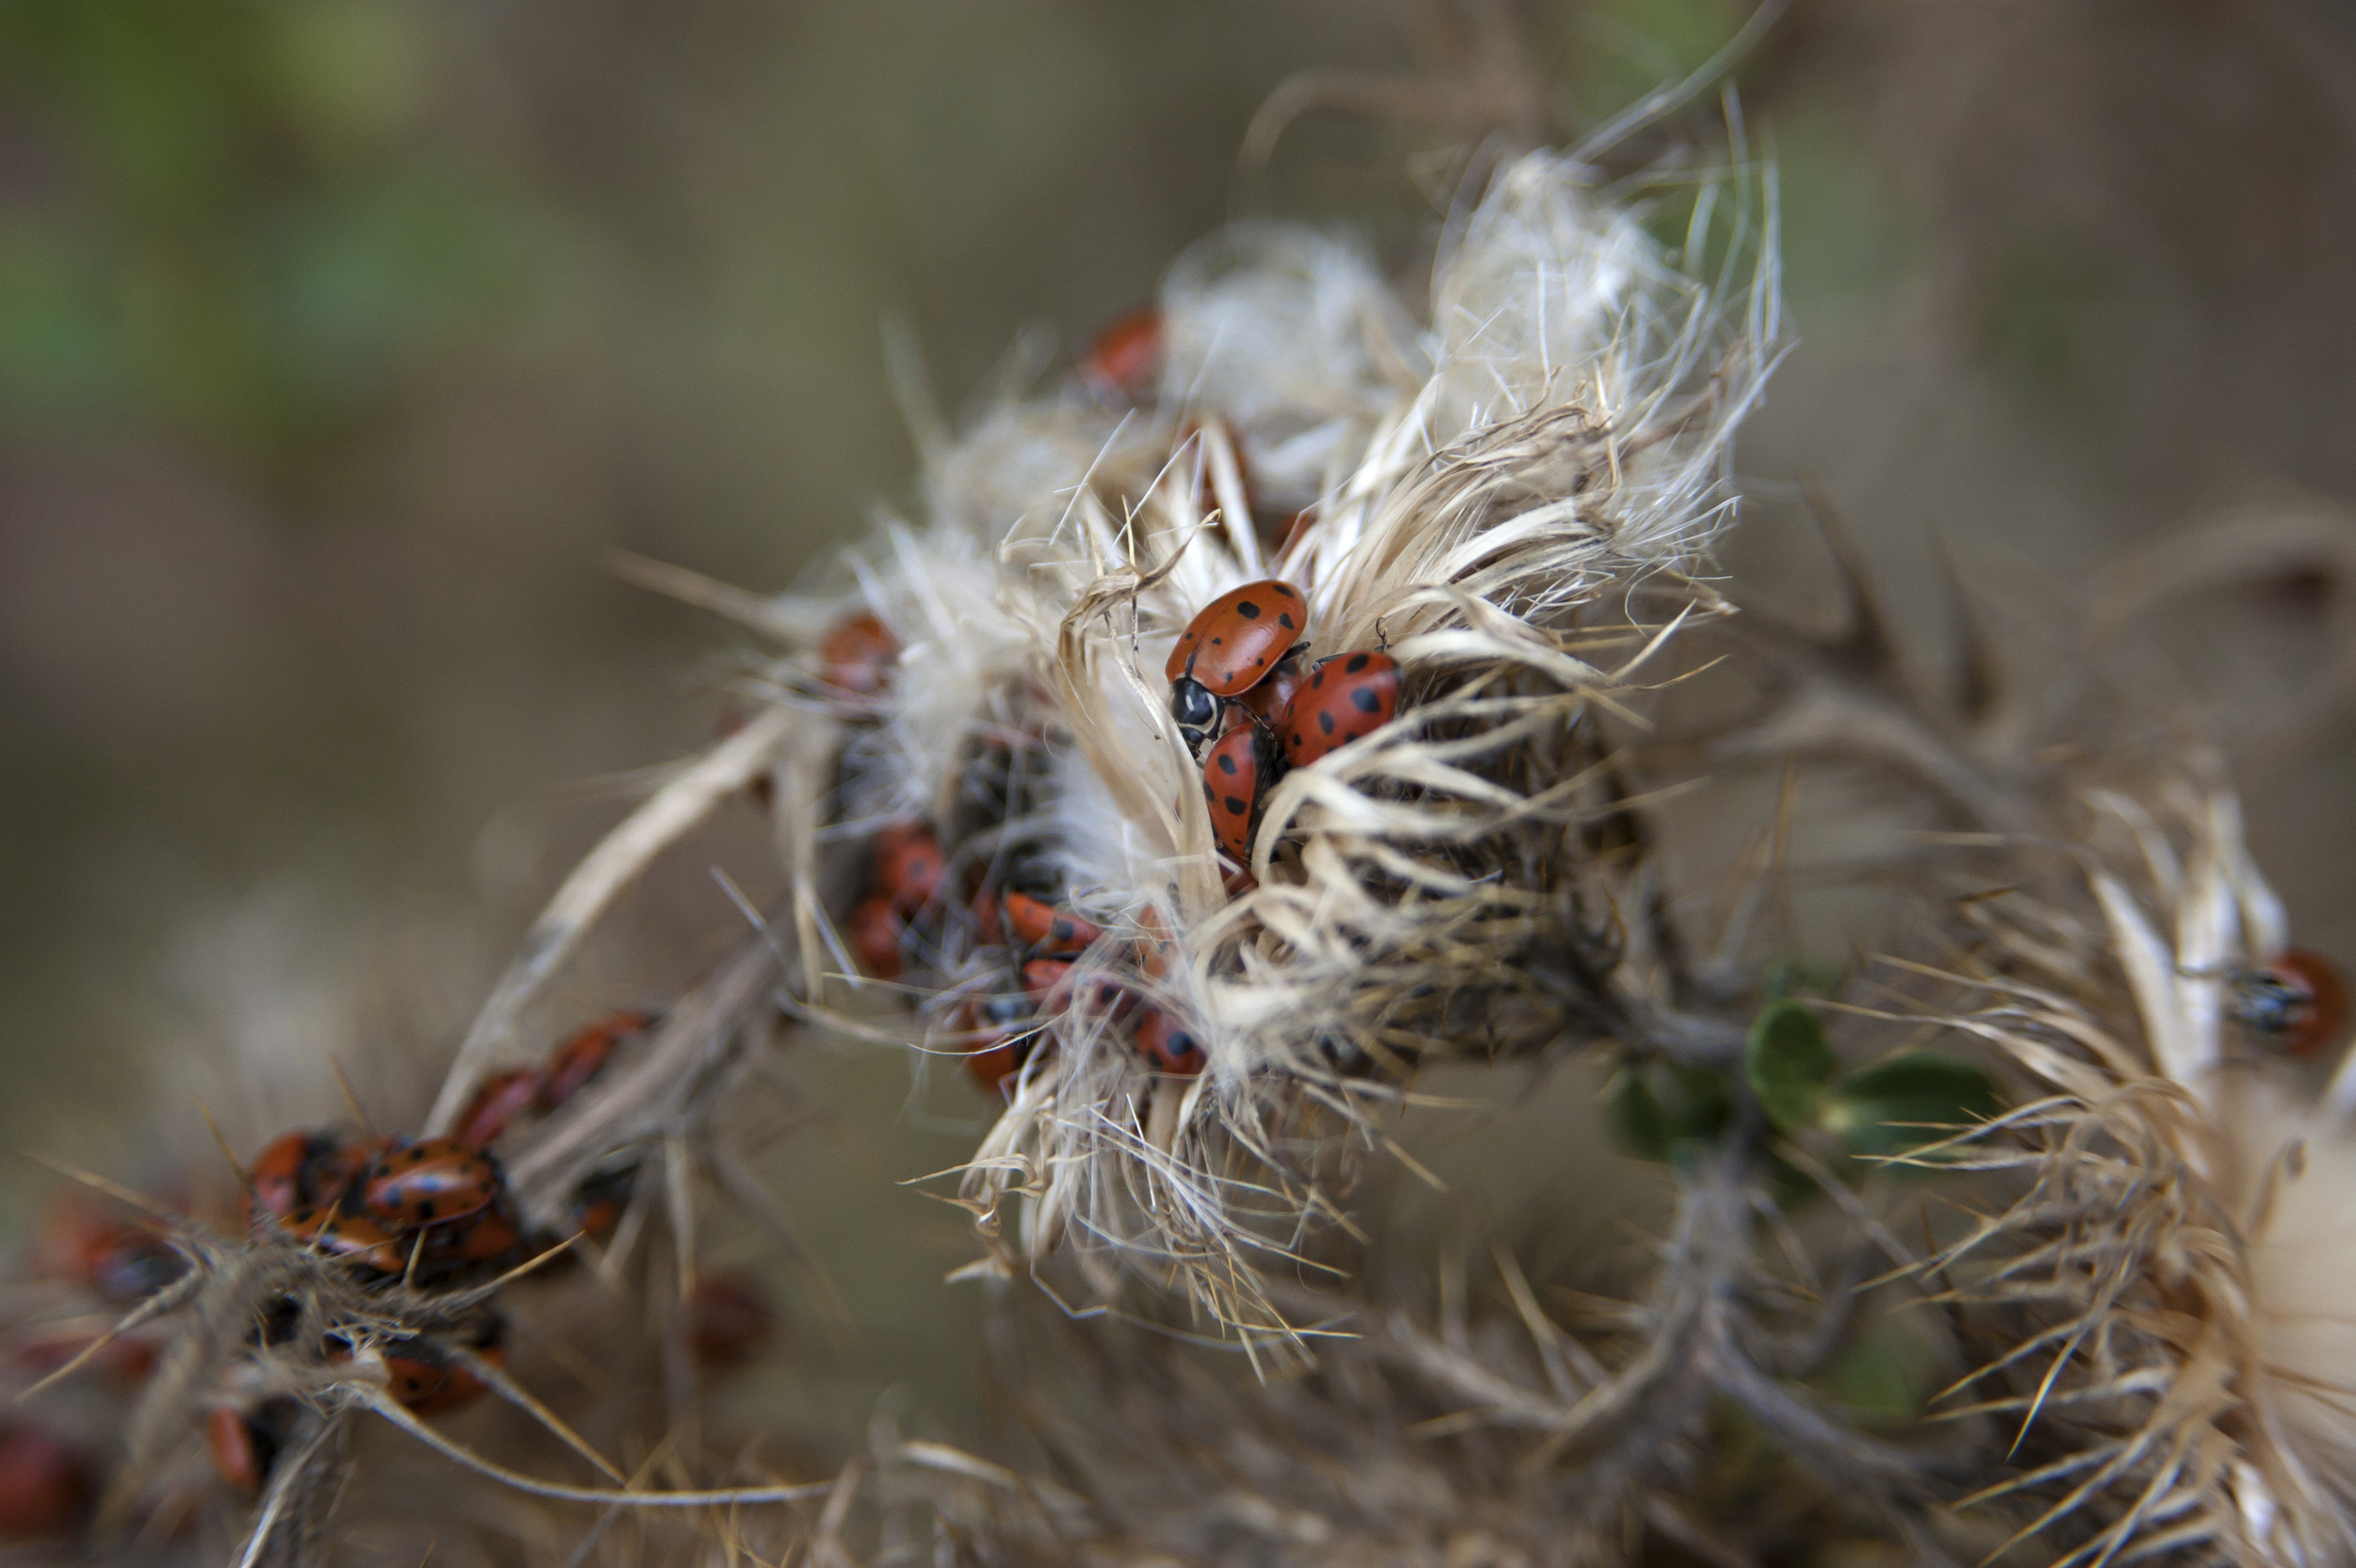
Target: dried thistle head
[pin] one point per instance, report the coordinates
(2163, 1298)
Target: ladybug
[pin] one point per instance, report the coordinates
(2298, 1001)
(1151, 950)
(306, 1169)
(423, 1380)
(503, 1098)
(1348, 695)
(855, 658)
(349, 1236)
(989, 929)
(275, 1184)
(1049, 982)
(242, 1449)
(908, 867)
(579, 1057)
(1268, 701)
(599, 1202)
(1237, 769)
(44, 1485)
(429, 1182)
(1125, 357)
(120, 1261)
(1168, 1046)
(1002, 1046)
(1230, 648)
(874, 935)
(727, 1318)
(1049, 932)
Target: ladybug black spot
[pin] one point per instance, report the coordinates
(1249, 611)
(1226, 763)
(1284, 591)
(1234, 806)
(1366, 701)
(1285, 621)
(1325, 722)
(1357, 663)
(1317, 678)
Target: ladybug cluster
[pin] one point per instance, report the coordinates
(431, 1214)
(985, 912)
(80, 1256)
(1242, 686)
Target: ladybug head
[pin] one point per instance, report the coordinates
(1195, 708)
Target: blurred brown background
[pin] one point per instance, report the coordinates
(339, 337)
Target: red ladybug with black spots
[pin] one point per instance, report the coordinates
(1047, 931)
(1001, 1038)
(1346, 696)
(313, 1169)
(583, 1053)
(1239, 769)
(429, 1182)
(1237, 642)
(908, 866)
(351, 1237)
(1168, 1045)
(503, 1098)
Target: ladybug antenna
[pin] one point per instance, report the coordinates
(245, 1177)
(352, 1100)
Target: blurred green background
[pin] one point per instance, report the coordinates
(339, 337)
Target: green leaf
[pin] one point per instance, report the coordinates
(1788, 1061)
(1900, 1105)
(1639, 1118)
(1665, 1112)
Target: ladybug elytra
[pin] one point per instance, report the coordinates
(1268, 701)
(1168, 1046)
(727, 1318)
(503, 1098)
(908, 867)
(1125, 357)
(585, 1051)
(44, 1485)
(1049, 931)
(855, 658)
(996, 1025)
(121, 1261)
(242, 1449)
(352, 1238)
(875, 938)
(1235, 642)
(1346, 696)
(1239, 766)
(429, 1182)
